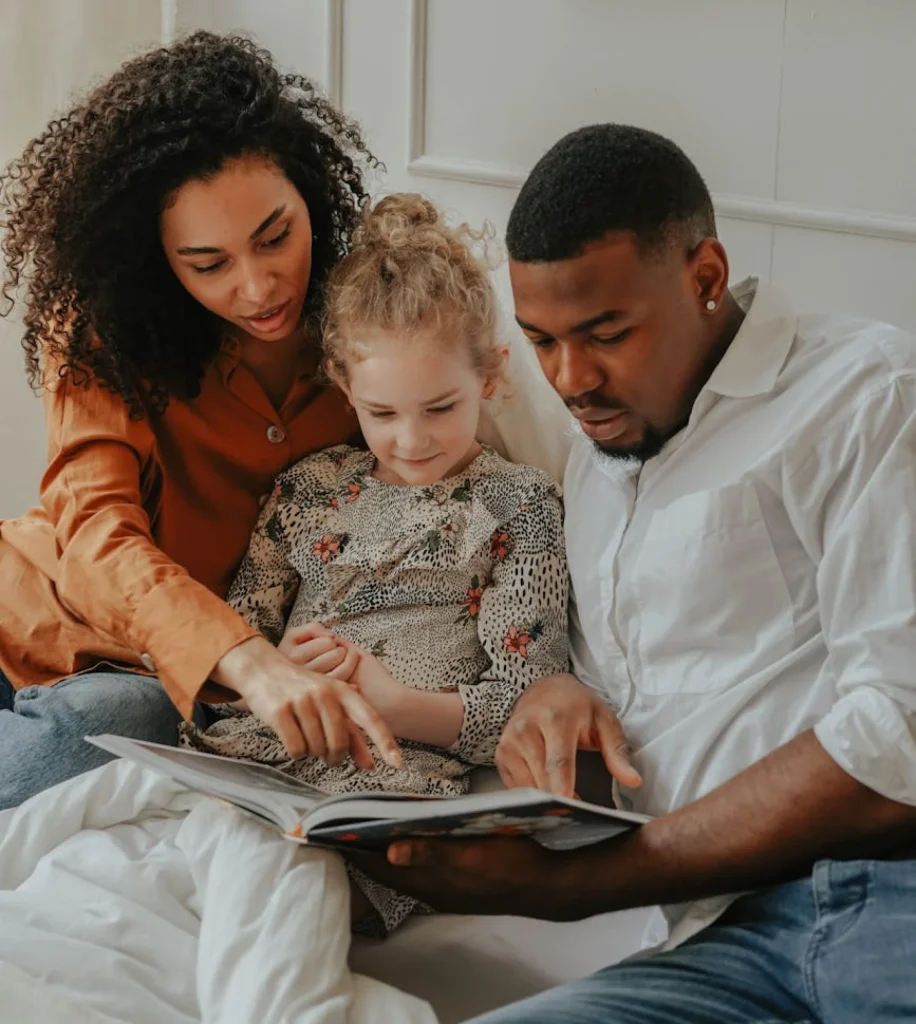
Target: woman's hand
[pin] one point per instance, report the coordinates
(314, 715)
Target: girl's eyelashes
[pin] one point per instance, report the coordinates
(437, 410)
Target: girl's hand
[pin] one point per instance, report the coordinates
(319, 650)
(374, 682)
(322, 650)
(314, 715)
(433, 718)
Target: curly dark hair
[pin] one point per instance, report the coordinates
(608, 177)
(81, 207)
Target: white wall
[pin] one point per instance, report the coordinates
(798, 113)
(49, 51)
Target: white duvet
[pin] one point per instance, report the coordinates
(130, 897)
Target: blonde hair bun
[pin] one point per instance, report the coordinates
(397, 221)
(410, 273)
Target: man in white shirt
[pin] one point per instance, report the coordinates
(743, 560)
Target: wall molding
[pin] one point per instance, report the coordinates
(334, 50)
(734, 207)
(168, 20)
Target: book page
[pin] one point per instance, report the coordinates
(256, 786)
(369, 821)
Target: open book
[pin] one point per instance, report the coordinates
(372, 820)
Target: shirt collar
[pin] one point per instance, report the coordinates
(753, 361)
(230, 356)
(751, 366)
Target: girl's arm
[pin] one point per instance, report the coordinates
(522, 619)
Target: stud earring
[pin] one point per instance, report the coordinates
(711, 305)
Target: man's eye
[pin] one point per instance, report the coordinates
(543, 343)
(611, 339)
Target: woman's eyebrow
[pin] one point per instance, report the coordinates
(209, 250)
(265, 224)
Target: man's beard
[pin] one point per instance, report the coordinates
(647, 447)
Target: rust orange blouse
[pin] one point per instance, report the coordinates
(143, 523)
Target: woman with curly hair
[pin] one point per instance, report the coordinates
(169, 239)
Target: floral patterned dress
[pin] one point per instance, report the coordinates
(456, 587)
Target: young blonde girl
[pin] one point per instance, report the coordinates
(427, 571)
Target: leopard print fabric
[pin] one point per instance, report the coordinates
(456, 587)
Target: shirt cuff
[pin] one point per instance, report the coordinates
(480, 731)
(871, 738)
(182, 630)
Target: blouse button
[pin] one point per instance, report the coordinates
(275, 434)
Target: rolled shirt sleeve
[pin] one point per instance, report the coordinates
(864, 477)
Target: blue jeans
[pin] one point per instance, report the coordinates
(42, 727)
(838, 947)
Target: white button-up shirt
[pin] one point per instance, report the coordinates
(758, 577)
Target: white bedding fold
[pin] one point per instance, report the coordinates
(151, 905)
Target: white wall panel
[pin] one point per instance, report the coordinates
(848, 131)
(540, 68)
(295, 31)
(826, 271)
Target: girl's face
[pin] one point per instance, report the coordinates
(241, 244)
(418, 404)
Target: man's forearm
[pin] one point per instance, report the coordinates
(767, 825)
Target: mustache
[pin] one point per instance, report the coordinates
(593, 400)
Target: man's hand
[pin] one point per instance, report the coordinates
(555, 717)
(496, 875)
(766, 825)
(314, 715)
